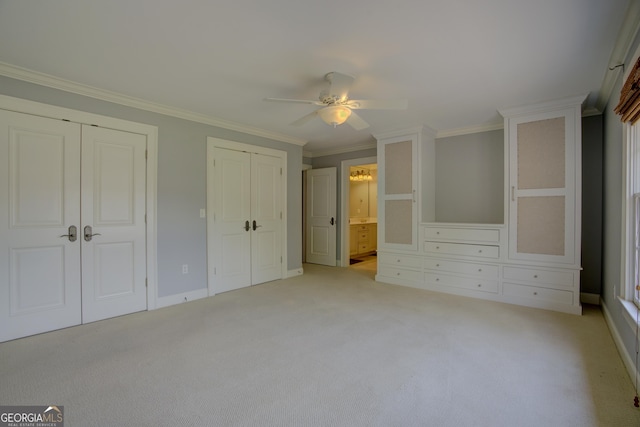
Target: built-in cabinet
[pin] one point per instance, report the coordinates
(363, 238)
(402, 159)
(532, 259)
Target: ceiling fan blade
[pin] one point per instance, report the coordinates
(304, 119)
(357, 122)
(339, 84)
(378, 104)
(297, 101)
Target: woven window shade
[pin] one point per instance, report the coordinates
(629, 105)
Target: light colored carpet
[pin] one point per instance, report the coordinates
(329, 348)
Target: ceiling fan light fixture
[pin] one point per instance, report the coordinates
(334, 115)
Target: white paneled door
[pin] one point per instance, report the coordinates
(113, 223)
(39, 204)
(321, 216)
(266, 221)
(53, 184)
(247, 238)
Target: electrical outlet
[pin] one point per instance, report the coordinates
(185, 268)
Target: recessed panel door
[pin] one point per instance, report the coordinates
(266, 219)
(321, 214)
(39, 210)
(113, 234)
(232, 242)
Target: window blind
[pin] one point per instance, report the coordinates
(629, 106)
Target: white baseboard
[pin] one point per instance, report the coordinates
(295, 272)
(626, 357)
(180, 298)
(590, 298)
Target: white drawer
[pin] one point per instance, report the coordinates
(462, 234)
(482, 251)
(399, 260)
(537, 293)
(480, 270)
(462, 282)
(399, 273)
(551, 277)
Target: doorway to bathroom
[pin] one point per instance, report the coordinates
(359, 210)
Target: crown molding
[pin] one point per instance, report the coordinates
(393, 133)
(626, 36)
(42, 79)
(341, 150)
(469, 130)
(569, 102)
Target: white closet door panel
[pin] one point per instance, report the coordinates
(542, 207)
(232, 238)
(321, 213)
(266, 202)
(39, 201)
(113, 205)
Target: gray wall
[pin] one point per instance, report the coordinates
(592, 163)
(470, 178)
(181, 191)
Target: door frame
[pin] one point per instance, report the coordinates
(238, 146)
(151, 132)
(344, 204)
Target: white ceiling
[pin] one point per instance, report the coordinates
(457, 62)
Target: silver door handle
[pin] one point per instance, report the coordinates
(73, 233)
(87, 233)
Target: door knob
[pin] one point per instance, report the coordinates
(247, 226)
(255, 225)
(73, 233)
(88, 235)
(332, 221)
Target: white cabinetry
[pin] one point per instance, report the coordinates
(404, 158)
(544, 145)
(400, 269)
(406, 194)
(363, 238)
(534, 258)
(462, 259)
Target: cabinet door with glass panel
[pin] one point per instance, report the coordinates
(544, 178)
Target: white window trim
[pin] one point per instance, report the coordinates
(631, 186)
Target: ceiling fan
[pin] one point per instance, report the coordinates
(337, 108)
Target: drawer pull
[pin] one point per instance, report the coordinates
(479, 270)
(397, 274)
(480, 251)
(535, 293)
(437, 247)
(535, 276)
(437, 232)
(479, 285)
(437, 279)
(398, 260)
(437, 265)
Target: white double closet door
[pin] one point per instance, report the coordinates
(72, 224)
(247, 238)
